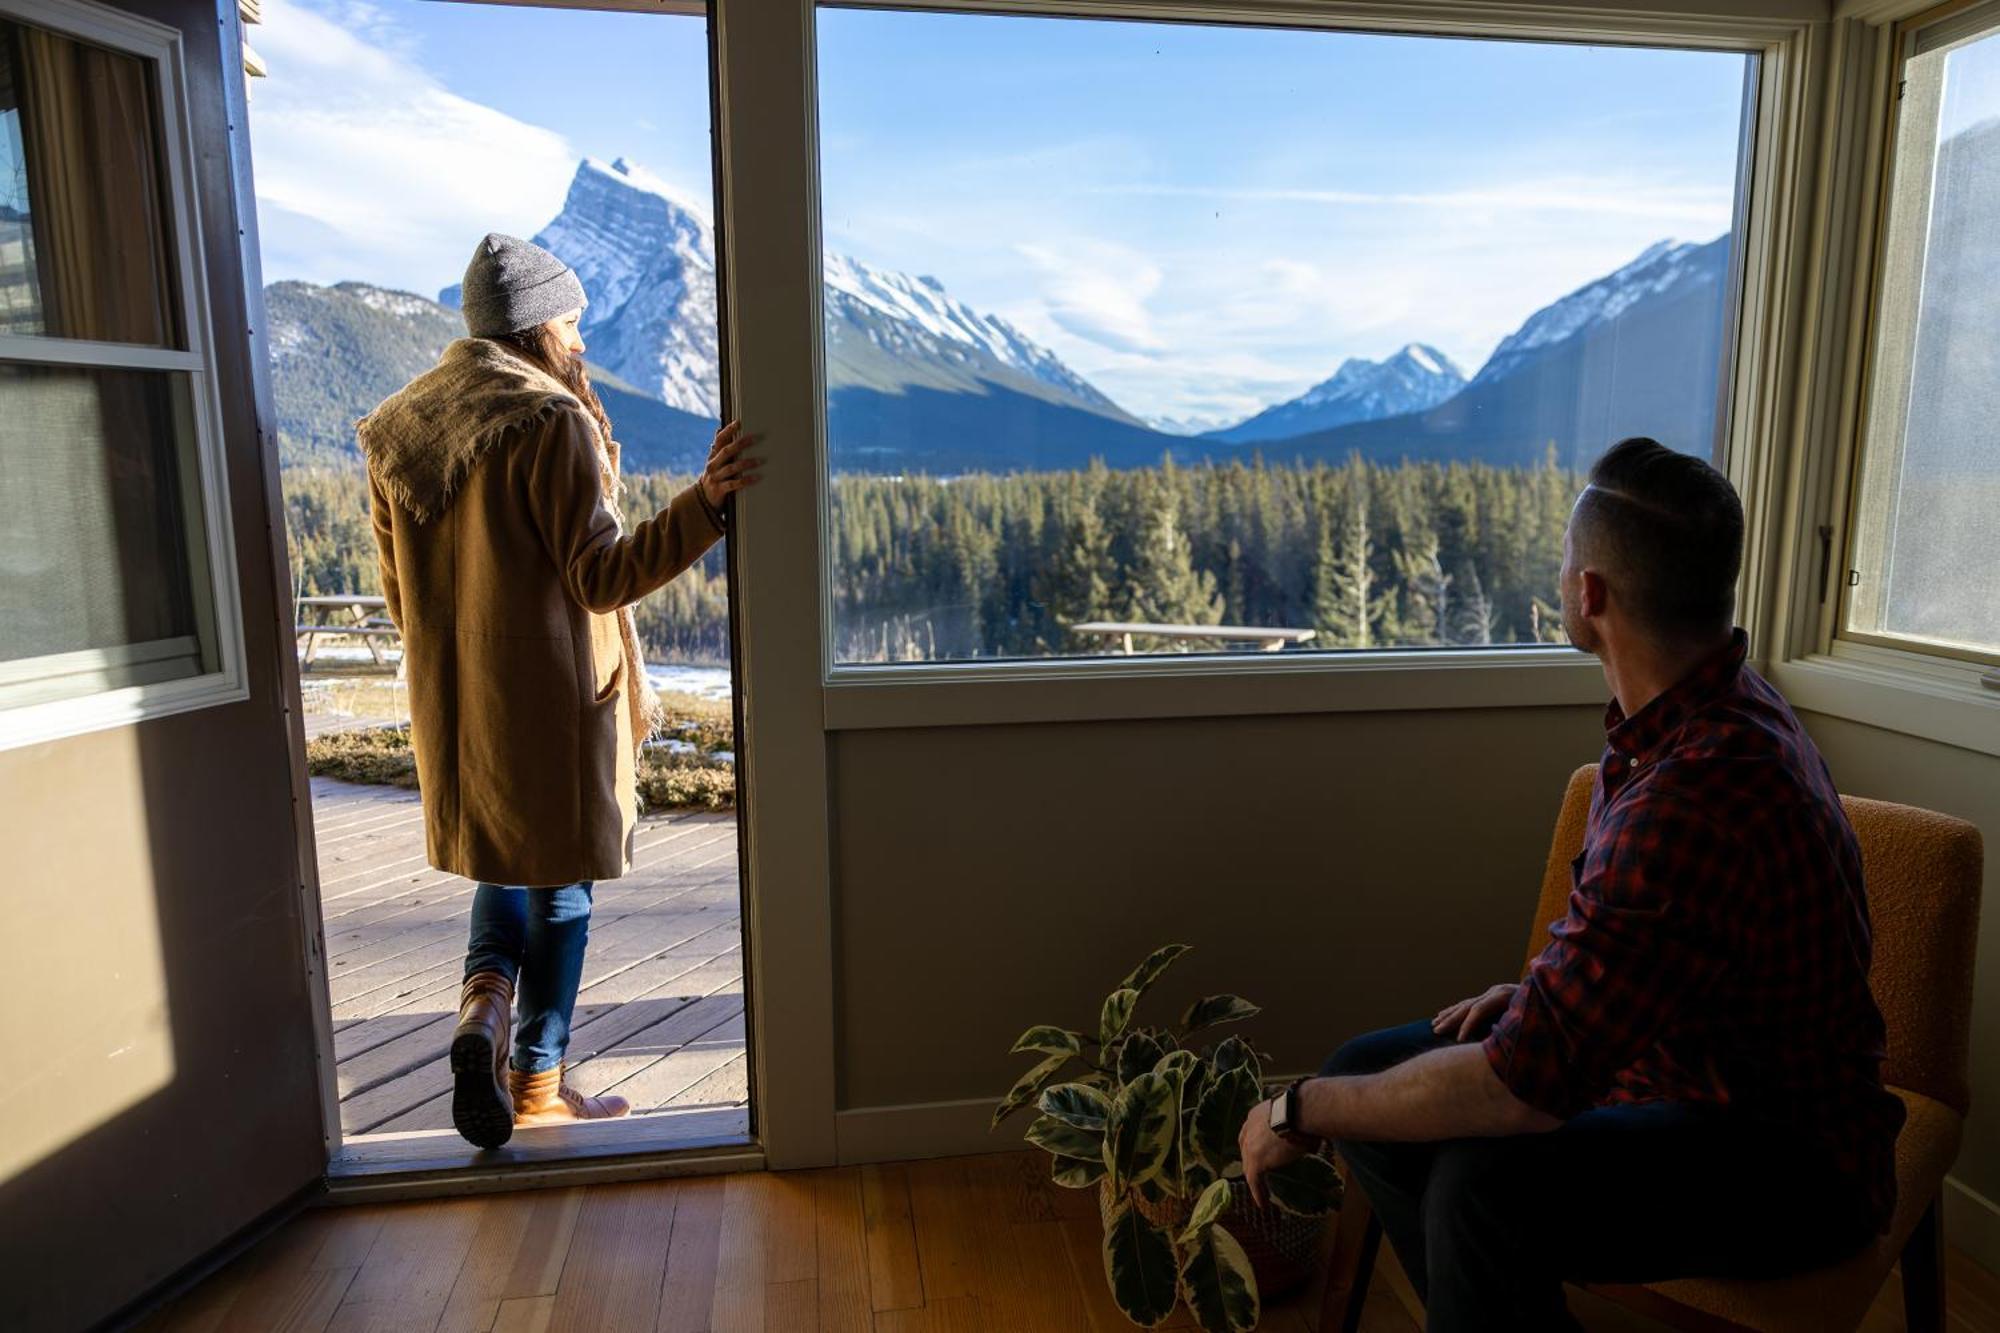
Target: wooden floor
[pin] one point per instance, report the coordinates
(660, 1016)
(958, 1245)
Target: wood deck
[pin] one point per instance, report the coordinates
(660, 1017)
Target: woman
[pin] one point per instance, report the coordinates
(494, 486)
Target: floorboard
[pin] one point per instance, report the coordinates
(946, 1246)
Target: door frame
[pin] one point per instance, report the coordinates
(628, 1152)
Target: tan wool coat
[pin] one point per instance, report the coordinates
(507, 568)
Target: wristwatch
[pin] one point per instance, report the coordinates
(1285, 1114)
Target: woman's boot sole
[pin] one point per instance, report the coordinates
(480, 1109)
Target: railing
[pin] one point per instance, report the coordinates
(1267, 639)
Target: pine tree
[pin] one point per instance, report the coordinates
(1076, 583)
(1473, 620)
(1426, 594)
(1347, 609)
(1162, 585)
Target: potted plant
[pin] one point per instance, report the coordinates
(1150, 1120)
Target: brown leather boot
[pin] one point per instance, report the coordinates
(481, 1107)
(545, 1099)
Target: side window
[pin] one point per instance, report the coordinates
(1923, 571)
(107, 582)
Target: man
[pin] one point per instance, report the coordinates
(1688, 1080)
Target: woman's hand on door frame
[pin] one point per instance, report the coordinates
(729, 470)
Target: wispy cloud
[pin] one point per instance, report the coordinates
(1704, 207)
(368, 166)
(1098, 292)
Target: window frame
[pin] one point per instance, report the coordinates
(1871, 435)
(218, 608)
(1208, 684)
(1894, 684)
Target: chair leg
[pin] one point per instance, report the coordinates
(1351, 1265)
(1923, 1273)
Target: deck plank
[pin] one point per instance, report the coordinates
(661, 1006)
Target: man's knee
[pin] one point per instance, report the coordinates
(1372, 1052)
(1478, 1186)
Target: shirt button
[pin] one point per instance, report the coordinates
(1635, 761)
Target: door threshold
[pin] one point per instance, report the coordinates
(432, 1163)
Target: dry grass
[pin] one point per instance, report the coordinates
(701, 776)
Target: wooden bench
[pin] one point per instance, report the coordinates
(1269, 640)
(367, 623)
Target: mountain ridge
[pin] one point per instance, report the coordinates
(918, 381)
(1415, 377)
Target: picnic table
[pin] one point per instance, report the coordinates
(345, 615)
(1268, 639)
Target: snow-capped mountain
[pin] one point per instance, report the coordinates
(647, 262)
(1637, 352)
(1415, 378)
(1198, 424)
(646, 257)
(338, 351)
(919, 381)
(1663, 267)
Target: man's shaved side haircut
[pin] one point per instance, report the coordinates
(1665, 530)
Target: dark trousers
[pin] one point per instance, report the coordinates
(535, 938)
(1488, 1230)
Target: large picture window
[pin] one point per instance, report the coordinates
(1923, 568)
(1147, 337)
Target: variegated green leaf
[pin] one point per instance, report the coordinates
(1025, 1091)
(1116, 1014)
(1235, 1053)
(1221, 1290)
(1050, 1041)
(1309, 1186)
(1149, 971)
(1219, 1118)
(1137, 1053)
(1212, 1009)
(1053, 1136)
(1182, 1062)
(1139, 1132)
(1207, 1208)
(1076, 1104)
(1074, 1175)
(1139, 1266)
(1193, 1086)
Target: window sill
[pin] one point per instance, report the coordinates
(1928, 698)
(1235, 685)
(60, 719)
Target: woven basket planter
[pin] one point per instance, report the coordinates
(1282, 1247)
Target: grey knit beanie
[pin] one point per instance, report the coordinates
(512, 284)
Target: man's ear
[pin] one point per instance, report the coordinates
(1593, 594)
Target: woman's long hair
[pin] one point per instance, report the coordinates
(543, 350)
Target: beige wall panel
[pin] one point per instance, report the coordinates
(1868, 761)
(162, 1088)
(1345, 871)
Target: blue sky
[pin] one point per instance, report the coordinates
(1200, 219)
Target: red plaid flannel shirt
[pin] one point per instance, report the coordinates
(1717, 943)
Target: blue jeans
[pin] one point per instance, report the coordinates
(535, 938)
(1488, 1230)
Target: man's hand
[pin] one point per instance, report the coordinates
(1469, 1019)
(728, 471)
(1263, 1150)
